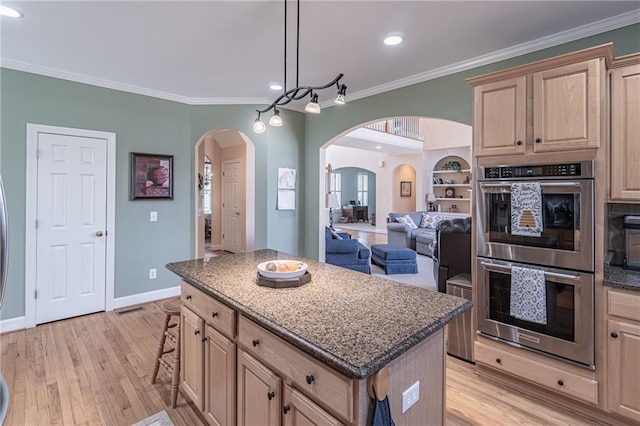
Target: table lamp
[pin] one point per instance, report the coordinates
(333, 203)
(431, 199)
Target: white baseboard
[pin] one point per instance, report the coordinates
(13, 324)
(151, 296)
(215, 247)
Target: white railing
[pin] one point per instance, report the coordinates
(408, 127)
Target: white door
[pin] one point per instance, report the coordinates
(231, 206)
(71, 223)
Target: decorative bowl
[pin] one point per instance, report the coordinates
(300, 270)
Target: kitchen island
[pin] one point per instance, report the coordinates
(310, 347)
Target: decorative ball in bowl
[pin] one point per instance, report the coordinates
(282, 269)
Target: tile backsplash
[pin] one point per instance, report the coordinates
(616, 230)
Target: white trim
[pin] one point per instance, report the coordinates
(604, 25)
(150, 296)
(12, 324)
(31, 208)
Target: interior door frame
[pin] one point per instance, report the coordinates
(33, 130)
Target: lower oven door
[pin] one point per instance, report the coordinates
(565, 299)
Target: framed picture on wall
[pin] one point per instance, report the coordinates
(405, 189)
(151, 176)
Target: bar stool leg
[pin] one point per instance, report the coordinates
(163, 338)
(175, 380)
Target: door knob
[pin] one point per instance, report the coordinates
(99, 234)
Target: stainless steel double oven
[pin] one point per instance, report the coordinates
(563, 251)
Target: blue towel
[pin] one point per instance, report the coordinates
(382, 413)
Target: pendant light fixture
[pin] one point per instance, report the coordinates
(298, 92)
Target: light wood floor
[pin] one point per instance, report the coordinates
(95, 370)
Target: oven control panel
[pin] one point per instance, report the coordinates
(543, 171)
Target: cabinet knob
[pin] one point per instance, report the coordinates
(538, 140)
(271, 395)
(196, 332)
(188, 297)
(255, 342)
(498, 360)
(614, 335)
(214, 314)
(204, 339)
(518, 143)
(560, 382)
(310, 379)
(286, 409)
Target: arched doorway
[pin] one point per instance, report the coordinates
(228, 222)
(415, 165)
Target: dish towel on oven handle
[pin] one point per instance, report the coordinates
(526, 209)
(528, 295)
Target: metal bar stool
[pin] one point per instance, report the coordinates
(170, 331)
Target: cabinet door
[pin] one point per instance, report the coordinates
(299, 410)
(624, 375)
(220, 378)
(192, 356)
(259, 393)
(499, 117)
(625, 133)
(567, 107)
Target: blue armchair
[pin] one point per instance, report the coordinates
(346, 252)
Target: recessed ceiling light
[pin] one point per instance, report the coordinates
(275, 86)
(393, 40)
(378, 147)
(10, 12)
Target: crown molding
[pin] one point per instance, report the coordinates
(567, 36)
(573, 34)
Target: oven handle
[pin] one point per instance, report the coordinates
(499, 268)
(497, 185)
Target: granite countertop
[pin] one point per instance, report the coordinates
(355, 323)
(615, 276)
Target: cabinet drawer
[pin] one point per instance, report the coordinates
(213, 312)
(624, 305)
(561, 381)
(328, 387)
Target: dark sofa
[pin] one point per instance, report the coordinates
(452, 255)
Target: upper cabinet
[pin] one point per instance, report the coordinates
(552, 105)
(625, 129)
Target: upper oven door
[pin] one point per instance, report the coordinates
(566, 240)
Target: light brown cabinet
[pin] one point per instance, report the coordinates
(499, 117)
(259, 392)
(548, 106)
(623, 353)
(208, 366)
(625, 131)
(300, 410)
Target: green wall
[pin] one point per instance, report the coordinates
(449, 98)
(141, 124)
(144, 124)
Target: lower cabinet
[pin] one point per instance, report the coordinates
(623, 349)
(208, 369)
(261, 399)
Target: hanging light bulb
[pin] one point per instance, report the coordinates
(342, 91)
(259, 126)
(313, 106)
(275, 120)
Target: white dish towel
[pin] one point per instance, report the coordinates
(528, 295)
(526, 209)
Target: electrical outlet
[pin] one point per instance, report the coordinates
(153, 217)
(410, 396)
(152, 274)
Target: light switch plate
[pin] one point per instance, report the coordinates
(410, 396)
(152, 274)
(153, 216)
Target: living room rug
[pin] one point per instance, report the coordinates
(158, 419)
(424, 278)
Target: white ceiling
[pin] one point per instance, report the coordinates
(209, 52)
